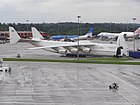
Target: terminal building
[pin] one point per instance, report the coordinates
(4, 35)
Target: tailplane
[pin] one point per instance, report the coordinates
(36, 34)
(14, 37)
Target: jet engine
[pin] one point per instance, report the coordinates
(61, 50)
(72, 50)
(64, 51)
(85, 49)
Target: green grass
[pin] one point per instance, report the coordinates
(110, 59)
(90, 60)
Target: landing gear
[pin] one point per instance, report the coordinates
(75, 55)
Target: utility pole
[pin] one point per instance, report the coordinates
(134, 44)
(27, 29)
(78, 36)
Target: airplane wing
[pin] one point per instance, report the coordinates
(65, 45)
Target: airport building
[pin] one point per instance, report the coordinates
(4, 35)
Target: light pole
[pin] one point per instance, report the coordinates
(81, 28)
(78, 36)
(27, 24)
(58, 27)
(134, 44)
(27, 29)
(110, 26)
(78, 49)
(43, 26)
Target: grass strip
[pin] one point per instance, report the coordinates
(94, 61)
(111, 59)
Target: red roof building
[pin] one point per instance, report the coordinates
(23, 34)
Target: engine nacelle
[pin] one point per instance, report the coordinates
(72, 50)
(86, 50)
(62, 51)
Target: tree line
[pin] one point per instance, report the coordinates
(71, 28)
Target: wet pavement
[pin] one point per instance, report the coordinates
(44, 83)
(35, 83)
(12, 50)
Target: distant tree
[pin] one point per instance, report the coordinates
(71, 28)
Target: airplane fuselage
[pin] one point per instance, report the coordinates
(85, 47)
(115, 35)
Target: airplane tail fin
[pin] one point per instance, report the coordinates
(137, 32)
(122, 42)
(89, 34)
(36, 34)
(91, 30)
(14, 37)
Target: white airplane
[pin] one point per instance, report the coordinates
(85, 48)
(107, 35)
(73, 37)
(84, 37)
(115, 35)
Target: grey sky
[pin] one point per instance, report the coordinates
(91, 11)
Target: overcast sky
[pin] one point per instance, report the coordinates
(91, 11)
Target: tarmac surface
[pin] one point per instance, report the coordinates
(44, 83)
(11, 50)
(35, 83)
